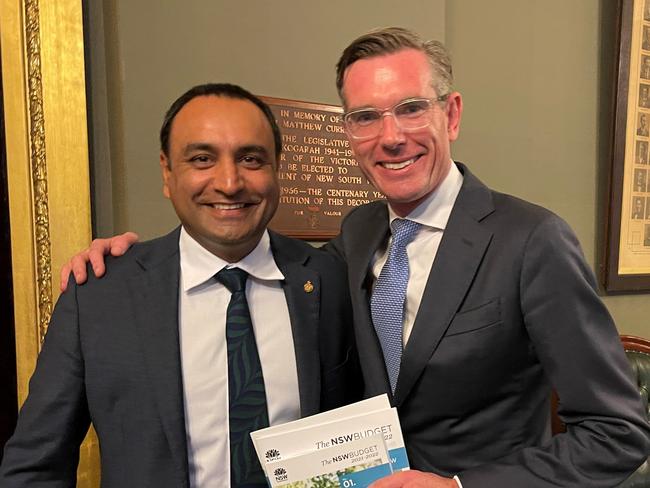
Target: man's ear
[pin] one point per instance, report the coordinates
(454, 114)
(165, 168)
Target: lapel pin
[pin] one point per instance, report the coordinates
(308, 286)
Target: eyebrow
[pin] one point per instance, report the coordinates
(370, 107)
(252, 148)
(198, 146)
(206, 146)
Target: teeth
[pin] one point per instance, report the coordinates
(401, 165)
(227, 206)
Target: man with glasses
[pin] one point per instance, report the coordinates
(470, 305)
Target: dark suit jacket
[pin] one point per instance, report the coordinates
(111, 355)
(509, 310)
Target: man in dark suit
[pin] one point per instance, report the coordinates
(142, 353)
(505, 310)
(642, 152)
(642, 129)
(645, 67)
(499, 306)
(639, 180)
(637, 208)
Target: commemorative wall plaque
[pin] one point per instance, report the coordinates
(320, 180)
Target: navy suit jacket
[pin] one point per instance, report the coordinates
(112, 356)
(510, 310)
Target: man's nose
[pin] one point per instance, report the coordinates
(390, 135)
(227, 177)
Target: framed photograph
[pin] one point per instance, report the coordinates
(627, 246)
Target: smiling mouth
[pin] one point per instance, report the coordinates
(398, 165)
(228, 206)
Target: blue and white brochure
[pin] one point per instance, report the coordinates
(353, 464)
(308, 438)
(370, 404)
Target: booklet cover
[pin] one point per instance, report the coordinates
(375, 403)
(354, 464)
(345, 429)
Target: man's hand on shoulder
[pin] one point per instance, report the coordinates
(115, 246)
(414, 479)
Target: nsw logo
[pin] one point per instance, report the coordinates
(272, 454)
(280, 474)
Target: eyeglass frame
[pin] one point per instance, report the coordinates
(391, 111)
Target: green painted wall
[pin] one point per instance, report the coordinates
(536, 78)
(144, 54)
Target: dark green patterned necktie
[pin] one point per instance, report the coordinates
(246, 395)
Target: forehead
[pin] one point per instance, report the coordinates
(381, 81)
(220, 121)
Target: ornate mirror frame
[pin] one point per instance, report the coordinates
(42, 49)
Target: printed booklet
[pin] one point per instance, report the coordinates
(375, 403)
(354, 464)
(334, 430)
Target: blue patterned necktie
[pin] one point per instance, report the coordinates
(246, 395)
(389, 295)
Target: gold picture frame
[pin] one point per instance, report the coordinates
(44, 98)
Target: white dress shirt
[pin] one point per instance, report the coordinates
(433, 214)
(203, 302)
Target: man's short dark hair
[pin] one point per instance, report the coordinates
(225, 90)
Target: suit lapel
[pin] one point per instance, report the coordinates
(157, 324)
(459, 255)
(360, 251)
(304, 310)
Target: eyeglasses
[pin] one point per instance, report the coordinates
(410, 114)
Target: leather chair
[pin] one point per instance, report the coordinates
(638, 352)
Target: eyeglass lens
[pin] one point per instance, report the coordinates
(408, 115)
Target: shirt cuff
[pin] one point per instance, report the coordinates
(457, 480)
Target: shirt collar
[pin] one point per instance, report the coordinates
(199, 265)
(434, 211)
